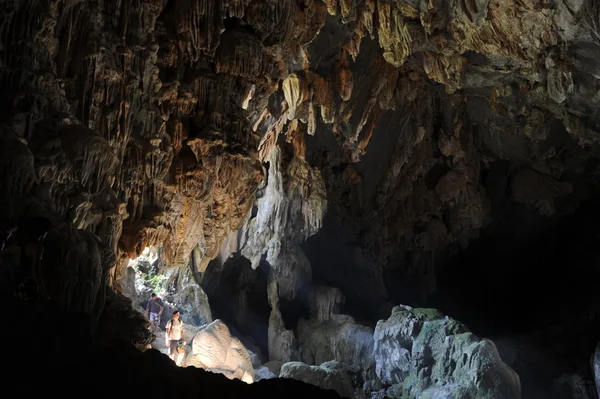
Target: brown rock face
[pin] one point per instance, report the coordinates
(371, 126)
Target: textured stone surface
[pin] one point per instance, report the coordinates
(283, 345)
(330, 375)
(424, 354)
(176, 287)
(263, 373)
(214, 349)
(328, 335)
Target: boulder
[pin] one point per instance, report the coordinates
(214, 349)
(329, 375)
(274, 366)
(328, 335)
(263, 373)
(339, 338)
(424, 354)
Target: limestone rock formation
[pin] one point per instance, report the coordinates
(146, 123)
(214, 349)
(329, 375)
(282, 342)
(286, 215)
(187, 297)
(263, 373)
(424, 354)
(329, 336)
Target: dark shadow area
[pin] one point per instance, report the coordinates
(505, 285)
(530, 283)
(294, 310)
(54, 353)
(238, 296)
(337, 261)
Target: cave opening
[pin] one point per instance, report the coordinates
(238, 296)
(143, 276)
(292, 310)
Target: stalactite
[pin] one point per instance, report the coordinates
(202, 22)
(242, 55)
(394, 36)
(96, 160)
(237, 8)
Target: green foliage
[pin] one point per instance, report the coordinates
(155, 281)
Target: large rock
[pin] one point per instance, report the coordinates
(330, 336)
(214, 349)
(329, 375)
(263, 373)
(425, 354)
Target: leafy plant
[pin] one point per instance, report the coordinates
(154, 281)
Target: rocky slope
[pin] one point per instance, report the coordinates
(358, 143)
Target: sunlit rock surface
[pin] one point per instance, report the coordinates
(214, 349)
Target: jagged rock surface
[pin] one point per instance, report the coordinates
(329, 336)
(176, 287)
(424, 354)
(329, 375)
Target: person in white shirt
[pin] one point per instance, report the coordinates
(174, 335)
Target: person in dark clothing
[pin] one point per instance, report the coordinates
(154, 309)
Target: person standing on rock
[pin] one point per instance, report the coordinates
(174, 336)
(154, 309)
